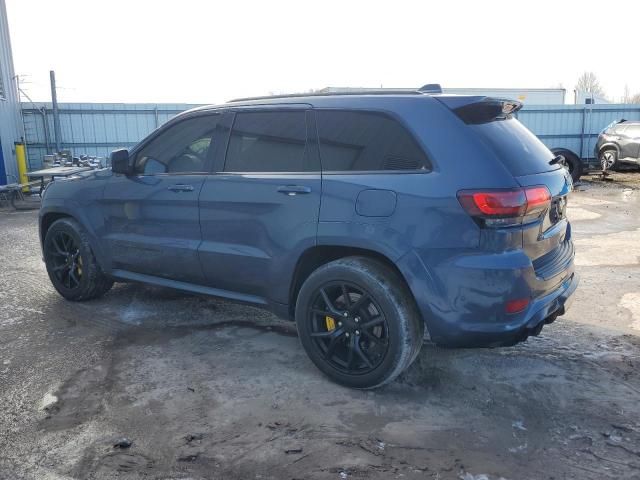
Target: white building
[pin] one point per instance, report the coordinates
(531, 96)
(10, 119)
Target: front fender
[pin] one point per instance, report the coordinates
(86, 217)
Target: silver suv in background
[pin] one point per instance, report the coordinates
(619, 143)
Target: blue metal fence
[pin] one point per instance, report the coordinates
(98, 128)
(92, 128)
(575, 127)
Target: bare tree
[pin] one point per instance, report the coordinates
(628, 97)
(588, 82)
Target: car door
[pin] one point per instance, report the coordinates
(151, 217)
(630, 147)
(259, 211)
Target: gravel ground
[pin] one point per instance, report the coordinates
(207, 389)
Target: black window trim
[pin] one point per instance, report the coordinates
(209, 163)
(388, 114)
(305, 108)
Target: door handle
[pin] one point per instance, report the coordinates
(180, 187)
(292, 190)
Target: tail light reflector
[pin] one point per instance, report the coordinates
(516, 306)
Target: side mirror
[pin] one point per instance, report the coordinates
(120, 161)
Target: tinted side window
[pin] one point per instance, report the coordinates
(183, 147)
(269, 142)
(366, 141)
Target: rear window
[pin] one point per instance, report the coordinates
(518, 149)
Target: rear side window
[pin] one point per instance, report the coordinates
(269, 142)
(518, 149)
(366, 141)
(633, 131)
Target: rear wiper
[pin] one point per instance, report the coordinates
(557, 159)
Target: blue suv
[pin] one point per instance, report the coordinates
(373, 219)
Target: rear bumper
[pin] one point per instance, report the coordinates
(464, 305)
(541, 311)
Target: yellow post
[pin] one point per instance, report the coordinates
(21, 158)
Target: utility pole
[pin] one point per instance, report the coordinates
(56, 115)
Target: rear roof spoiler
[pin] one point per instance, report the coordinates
(474, 110)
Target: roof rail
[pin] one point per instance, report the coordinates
(430, 88)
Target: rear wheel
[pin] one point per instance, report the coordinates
(572, 163)
(358, 322)
(71, 264)
(608, 159)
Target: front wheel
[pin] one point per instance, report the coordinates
(71, 264)
(358, 322)
(608, 159)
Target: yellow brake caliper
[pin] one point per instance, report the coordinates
(330, 322)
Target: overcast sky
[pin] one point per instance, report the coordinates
(206, 52)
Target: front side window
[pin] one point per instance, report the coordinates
(182, 148)
(269, 142)
(366, 141)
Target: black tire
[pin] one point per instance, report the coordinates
(390, 331)
(71, 264)
(608, 159)
(572, 163)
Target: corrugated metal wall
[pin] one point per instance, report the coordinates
(10, 123)
(99, 128)
(575, 127)
(92, 128)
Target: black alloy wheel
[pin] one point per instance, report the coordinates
(66, 261)
(348, 328)
(358, 321)
(71, 262)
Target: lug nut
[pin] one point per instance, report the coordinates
(346, 334)
(345, 314)
(357, 332)
(339, 324)
(357, 319)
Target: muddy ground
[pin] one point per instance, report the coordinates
(206, 389)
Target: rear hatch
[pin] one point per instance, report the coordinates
(546, 233)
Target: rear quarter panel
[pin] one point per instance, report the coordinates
(428, 232)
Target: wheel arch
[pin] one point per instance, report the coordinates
(318, 255)
(49, 216)
(47, 219)
(609, 146)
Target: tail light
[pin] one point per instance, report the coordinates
(497, 208)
